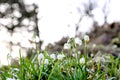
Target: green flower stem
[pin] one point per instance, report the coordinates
(86, 56)
(53, 70)
(41, 69)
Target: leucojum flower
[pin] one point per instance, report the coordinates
(42, 60)
(86, 38)
(67, 46)
(60, 56)
(82, 60)
(53, 56)
(78, 41)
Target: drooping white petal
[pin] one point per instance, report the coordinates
(60, 56)
(67, 46)
(78, 41)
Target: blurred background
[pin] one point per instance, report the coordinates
(29, 24)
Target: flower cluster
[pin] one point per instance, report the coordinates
(53, 56)
(67, 46)
(42, 60)
(72, 43)
(78, 41)
(60, 56)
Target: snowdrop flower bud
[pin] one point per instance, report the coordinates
(86, 38)
(67, 46)
(60, 56)
(40, 58)
(78, 41)
(53, 56)
(82, 60)
(46, 61)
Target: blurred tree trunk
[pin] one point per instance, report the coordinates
(37, 29)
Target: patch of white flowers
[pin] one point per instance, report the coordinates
(60, 56)
(82, 60)
(78, 41)
(53, 56)
(67, 46)
(42, 60)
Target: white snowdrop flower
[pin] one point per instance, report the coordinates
(10, 78)
(67, 46)
(46, 61)
(86, 38)
(40, 58)
(82, 60)
(60, 56)
(78, 41)
(53, 56)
